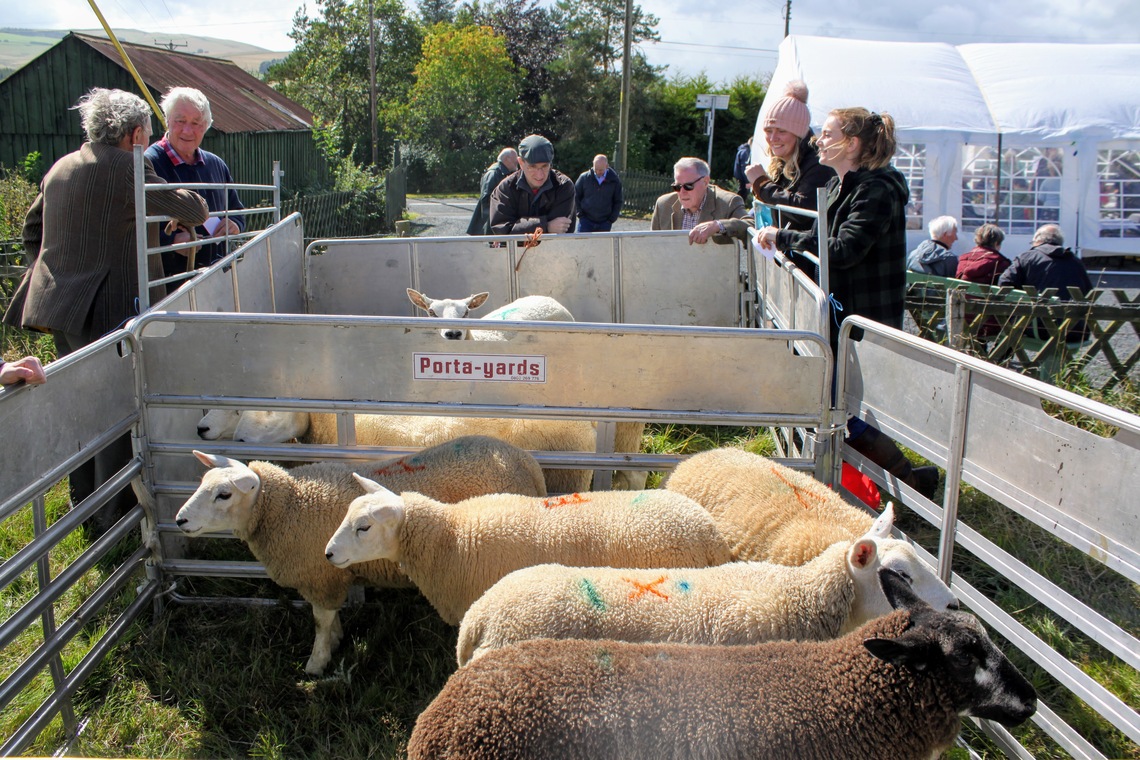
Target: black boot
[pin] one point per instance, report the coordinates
(881, 450)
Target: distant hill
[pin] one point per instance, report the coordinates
(18, 46)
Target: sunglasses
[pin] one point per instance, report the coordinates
(679, 186)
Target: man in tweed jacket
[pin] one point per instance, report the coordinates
(705, 210)
(80, 231)
(83, 280)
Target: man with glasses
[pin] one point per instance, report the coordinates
(534, 197)
(701, 207)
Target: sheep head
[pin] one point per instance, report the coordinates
(449, 308)
(955, 649)
(371, 527)
(875, 551)
(218, 423)
(224, 499)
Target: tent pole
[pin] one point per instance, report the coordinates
(997, 188)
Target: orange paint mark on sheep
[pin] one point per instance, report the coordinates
(397, 467)
(641, 589)
(799, 492)
(562, 501)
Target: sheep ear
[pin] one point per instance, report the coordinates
(371, 486)
(907, 652)
(419, 299)
(246, 480)
(216, 460)
(862, 553)
(898, 592)
(883, 524)
(477, 300)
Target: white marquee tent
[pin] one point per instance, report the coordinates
(1065, 118)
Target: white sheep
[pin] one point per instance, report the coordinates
(218, 423)
(396, 430)
(736, 603)
(526, 308)
(287, 516)
(454, 555)
(894, 688)
(767, 511)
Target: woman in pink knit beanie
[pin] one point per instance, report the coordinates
(794, 172)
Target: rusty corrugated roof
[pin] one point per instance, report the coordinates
(239, 101)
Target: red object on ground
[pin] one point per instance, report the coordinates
(861, 486)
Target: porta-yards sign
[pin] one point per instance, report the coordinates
(482, 367)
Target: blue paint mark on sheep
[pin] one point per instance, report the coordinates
(592, 595)
(684, 587)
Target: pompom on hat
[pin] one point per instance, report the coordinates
(790, 113)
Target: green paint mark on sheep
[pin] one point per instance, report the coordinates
(639, 498)
(592, 595)
(605, 660)
(504, 314)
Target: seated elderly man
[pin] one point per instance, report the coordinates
(701, 207)
(934, 256)
(179, 157)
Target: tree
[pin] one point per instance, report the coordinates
(596, 29)
(434, 12)
(585, 94)
(534, 40)
(328, 70)
(464, 90)
(679, 126)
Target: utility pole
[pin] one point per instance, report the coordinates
(170, 44)
(372, 83)
(626, 80)
(788, 18)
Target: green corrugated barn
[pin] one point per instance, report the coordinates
(253, 123)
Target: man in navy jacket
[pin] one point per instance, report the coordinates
(598, 197)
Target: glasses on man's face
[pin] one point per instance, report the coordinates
(687, 186)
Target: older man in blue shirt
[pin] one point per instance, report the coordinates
(178, 157)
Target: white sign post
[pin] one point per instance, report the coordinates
(711, 103)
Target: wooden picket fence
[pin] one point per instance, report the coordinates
(1033, 332)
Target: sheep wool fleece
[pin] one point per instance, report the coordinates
(734, 603)
(454, 555)
(298, 510)
(597, 700)
(764, 510)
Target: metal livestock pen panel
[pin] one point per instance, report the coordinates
(401, 365)
(625, 277)
(50, 430)
(989, 428)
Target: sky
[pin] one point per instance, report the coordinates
(723, 40)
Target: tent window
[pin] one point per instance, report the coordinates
(1030, 188)
(910, 159)
(1118, 173)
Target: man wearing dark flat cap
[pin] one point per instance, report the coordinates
(536, 196)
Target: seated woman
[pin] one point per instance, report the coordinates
(983, 263)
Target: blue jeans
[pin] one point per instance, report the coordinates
(585, 225)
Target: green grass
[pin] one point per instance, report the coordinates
(228, 680)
